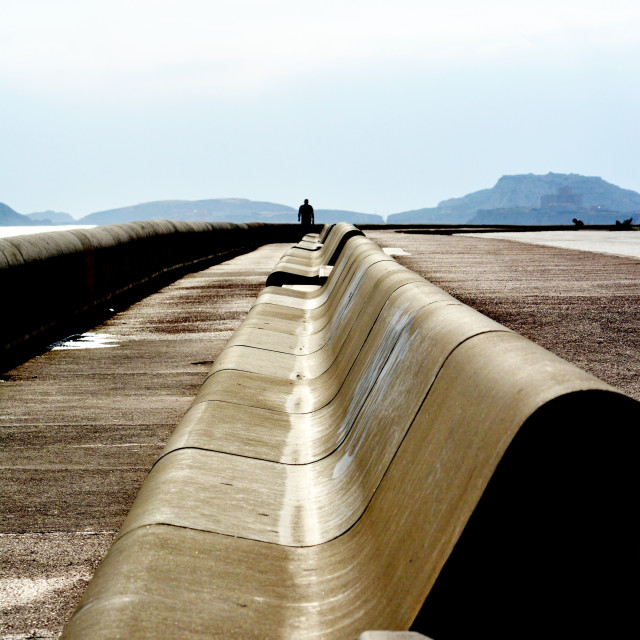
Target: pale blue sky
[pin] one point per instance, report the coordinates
(371, 106)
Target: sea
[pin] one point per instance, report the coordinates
(8, 232)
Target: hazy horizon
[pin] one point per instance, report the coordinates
(376, 107)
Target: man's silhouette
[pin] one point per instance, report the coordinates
(305, 214)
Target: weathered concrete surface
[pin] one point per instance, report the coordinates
(583, 306)
(80, 428)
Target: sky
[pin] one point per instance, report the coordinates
(371, 106)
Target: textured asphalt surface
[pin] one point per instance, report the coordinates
(80, 428)
(580, 305)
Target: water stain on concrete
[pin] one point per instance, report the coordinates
(86, 341)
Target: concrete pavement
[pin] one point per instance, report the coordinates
(80, 428)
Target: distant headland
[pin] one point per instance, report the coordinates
(530, 199)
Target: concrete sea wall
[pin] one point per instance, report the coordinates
(53, 282)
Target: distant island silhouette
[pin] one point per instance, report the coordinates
(553, 198)
(526, 199)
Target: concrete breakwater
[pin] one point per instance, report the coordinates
(376, 432)
(54, 282)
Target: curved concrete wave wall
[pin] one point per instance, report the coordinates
(49, 281)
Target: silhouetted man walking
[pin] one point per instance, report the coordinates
(305, 214)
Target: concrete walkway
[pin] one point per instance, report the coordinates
(80, 428)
